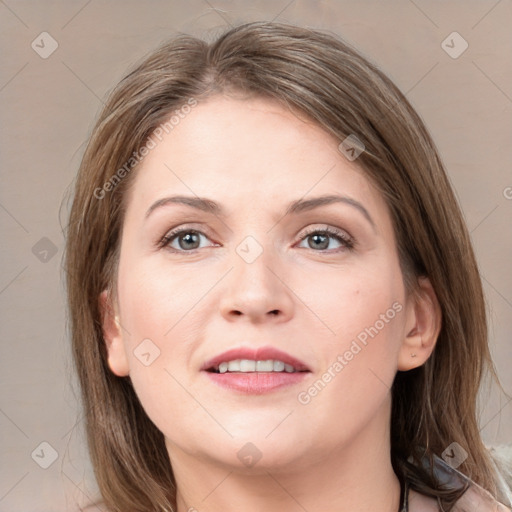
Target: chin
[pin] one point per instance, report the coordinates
(266, 427)
(258, 457)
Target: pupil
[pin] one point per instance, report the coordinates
(187, 238)
(324, 245)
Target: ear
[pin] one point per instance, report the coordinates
(111, 326)
(423, 324)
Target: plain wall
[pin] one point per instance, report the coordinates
(48, 108)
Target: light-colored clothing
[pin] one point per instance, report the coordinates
(475, 498)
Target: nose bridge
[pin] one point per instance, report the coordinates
(255, 256)
(254, 237)
(256, 284)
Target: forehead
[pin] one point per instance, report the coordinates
(253, 151)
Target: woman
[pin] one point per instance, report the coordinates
(253, 369)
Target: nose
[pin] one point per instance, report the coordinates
(257, 291)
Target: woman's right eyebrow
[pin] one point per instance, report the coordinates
(200, 203)
(295, 207)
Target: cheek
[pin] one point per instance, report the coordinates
(365, 315)
(372, 320)
(159, 310)
(157, 300)
(360, 364)
(360, 303)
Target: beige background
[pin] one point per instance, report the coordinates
(48, 108)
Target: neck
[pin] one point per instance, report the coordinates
(355, 477)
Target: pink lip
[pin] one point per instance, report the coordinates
(257, 354)
(256, 383)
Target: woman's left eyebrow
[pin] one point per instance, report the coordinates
(302, 205)
(295, 207)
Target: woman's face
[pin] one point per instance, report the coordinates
(258, 277)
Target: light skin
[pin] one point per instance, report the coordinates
(309, 296)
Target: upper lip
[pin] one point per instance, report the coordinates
(256, 354)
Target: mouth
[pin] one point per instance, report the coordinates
(255, 371)
(251, 366)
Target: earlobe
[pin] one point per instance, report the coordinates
(112, 335)
(423, 325)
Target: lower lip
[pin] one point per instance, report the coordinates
(256, 383)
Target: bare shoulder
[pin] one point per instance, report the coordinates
(420, 503)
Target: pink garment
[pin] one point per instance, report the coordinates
(474, 499)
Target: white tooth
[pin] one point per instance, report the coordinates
(246, 365)
(223, 367)
(288, 368)
(278, 366)
(234, 366)
(265, 366)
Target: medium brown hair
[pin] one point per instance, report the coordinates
(317, 75)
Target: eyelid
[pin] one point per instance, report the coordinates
(345, 238)
(163, 242)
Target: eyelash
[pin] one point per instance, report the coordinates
(346, 240)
